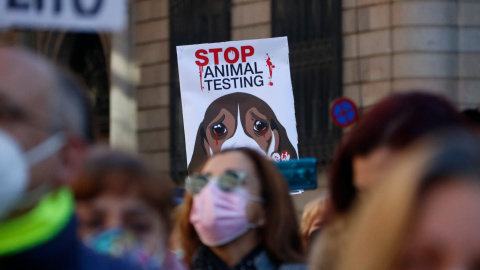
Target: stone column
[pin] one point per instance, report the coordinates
(152, 54)
(124, 77)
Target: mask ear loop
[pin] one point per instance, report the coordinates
(45, 149)
(258, 224)
(261, 222)
(34, 156)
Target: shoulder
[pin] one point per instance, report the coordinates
(330, 243)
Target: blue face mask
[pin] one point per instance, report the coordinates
(122, 244)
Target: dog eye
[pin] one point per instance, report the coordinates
(260, 126)
(219, 129)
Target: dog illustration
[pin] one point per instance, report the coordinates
(240, 120)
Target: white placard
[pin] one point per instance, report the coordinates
(236, 94)
(71, 15)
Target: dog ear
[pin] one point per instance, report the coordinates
(284, 143)
(200, 153)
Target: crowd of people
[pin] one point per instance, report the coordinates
(404, 192)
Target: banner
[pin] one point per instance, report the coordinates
(237, 94)
(71, 15)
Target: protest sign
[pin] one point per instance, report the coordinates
(236, 94)
(71, 15)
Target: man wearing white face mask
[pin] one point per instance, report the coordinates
(43, 137)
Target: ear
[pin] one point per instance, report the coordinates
(283, 143)
(72, 157)
(200, 150)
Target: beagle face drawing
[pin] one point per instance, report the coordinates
(240, 120)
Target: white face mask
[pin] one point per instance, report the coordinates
(15, 166)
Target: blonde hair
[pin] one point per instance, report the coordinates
(380, 226)
(312, 218)
(380, 223)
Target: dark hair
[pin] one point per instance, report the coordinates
(457, 154)
(280, 235)
(395, 122)
(472, 116)
(92, 181)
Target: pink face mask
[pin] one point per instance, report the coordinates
(220, 217)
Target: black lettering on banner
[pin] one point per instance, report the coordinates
(258, 82)
(214, 76)
(246, 81)
(39, 5)
(57, 6)
(79, 7)
(208, 71)
(226, 84)
(17, 4)
(248, 68)
(216, 83)
(235, 82)
(236, 72)
(208, 83)
(218, 71)
(256, 70)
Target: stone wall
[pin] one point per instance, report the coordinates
(7, 37)
(151, 24)
(469, 53)
(251, 19)
(411, 44)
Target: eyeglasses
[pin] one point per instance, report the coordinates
(227, 182)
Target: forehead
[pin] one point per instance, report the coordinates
(233, 160)
(126, 201)
(25, 79)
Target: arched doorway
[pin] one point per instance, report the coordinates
(84, 54)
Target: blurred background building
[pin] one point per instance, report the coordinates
(360, 49)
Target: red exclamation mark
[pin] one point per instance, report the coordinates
(270, 69)
(201, 71)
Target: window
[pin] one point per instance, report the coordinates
(314, 35)
(85, 56)
(191, 22)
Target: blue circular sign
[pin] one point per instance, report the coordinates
(344, 112)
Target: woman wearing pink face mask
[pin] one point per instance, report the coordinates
(238, 214)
